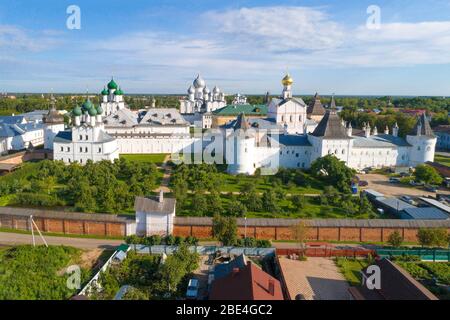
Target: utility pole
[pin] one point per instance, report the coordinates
(39, 231)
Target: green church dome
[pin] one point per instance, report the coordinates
(119, 92)
(87, 105)
(77, 111)
(104, 92)
(112, 85)
(92, 111)
(99, 109)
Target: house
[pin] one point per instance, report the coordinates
(247, 283)
(396, 284)
(154, 216)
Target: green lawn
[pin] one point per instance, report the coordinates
(150, 158)
(442, 160)
(351, 269)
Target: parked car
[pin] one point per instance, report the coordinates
(192, 289)
(394, 180)
(431, 188)
(363, 183)
(408, 199)
(415, 183)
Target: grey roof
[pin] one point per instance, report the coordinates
(65, 215)
(436, 204)
(121, 118)
(428, 213)
(425, 127)
(241, 122)
(379, 141)
(294, 140)
(152, 205)
(331, 127)
(53, 116)
(281, 101)
(257, 123)
(163, 116)
(394, 203)
(316, 108)
(343, 223)
(224, 269)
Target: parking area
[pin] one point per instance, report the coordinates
(380, 183)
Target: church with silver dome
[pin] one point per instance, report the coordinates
(200, 99)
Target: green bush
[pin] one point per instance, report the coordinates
(169, 240)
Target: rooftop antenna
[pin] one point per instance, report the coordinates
(34, 225)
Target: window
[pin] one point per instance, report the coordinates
(70, 160)
(87, 138)
(81, 149)
(418, 148)
(428, 148)
(291, 119)
(62, 149)
(68, 149)
(297, 155)
(99, 150)
(86, 149)
(81, 137)
(81, 160)
(281, 153)
(343, 151)
(303, 165)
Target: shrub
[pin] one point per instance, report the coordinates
(263, 244)
(193, 241)
(395, 239)
(169, 240)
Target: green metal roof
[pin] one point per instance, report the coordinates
(247, 109)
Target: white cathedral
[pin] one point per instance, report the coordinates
(292, 136)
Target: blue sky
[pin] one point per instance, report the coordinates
(241, 46)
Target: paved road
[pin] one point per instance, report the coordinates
(82, 243)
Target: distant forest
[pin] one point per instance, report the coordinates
(389, 107)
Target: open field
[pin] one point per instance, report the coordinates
(148, 158)
(38, 273)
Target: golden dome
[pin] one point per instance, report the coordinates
(287, 80)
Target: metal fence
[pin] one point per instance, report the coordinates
(203, 250)
(424, 254)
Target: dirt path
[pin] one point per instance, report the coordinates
(166, 176)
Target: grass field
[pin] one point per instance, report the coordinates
(442, 160)
(150, 158)
(351, 269)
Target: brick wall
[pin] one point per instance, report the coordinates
(363, 234)
(66, 226)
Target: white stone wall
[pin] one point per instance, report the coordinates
(50, 132)
(153, 145)
(148, 224)
(422, 150)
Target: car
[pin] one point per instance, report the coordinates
(408, 199)
(363, 183)
(394, 180)
(192, 289)
(431, 188)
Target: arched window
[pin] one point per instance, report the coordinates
(418, 148)
(428, 148)
(343, 151)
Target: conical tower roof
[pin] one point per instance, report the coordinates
(331, 127)
(425, 128)
(316, 108)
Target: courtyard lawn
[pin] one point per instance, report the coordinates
(312, 210)
(149, 158)
(351, 269)
(442, 160)
(232, 183)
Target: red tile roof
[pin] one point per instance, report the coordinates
(248, 283)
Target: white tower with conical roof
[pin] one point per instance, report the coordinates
(422, 141)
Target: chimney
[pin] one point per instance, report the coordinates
(235, 271)
(272, 287)
(161, 196)
(386, 130)
(367, 130)
(375, 131)
(349, 129)
(395, 130)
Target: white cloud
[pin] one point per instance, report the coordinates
(15, 38)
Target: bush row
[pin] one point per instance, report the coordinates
(156, 240)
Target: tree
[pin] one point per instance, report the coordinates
(300, 233)
(299, 202)
(395, 239)
(333, 171)
(269, 201)
(433, 237)
(237, 208)
(136, 294)
(427, 174)
(200, 204)
(225, 229)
